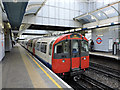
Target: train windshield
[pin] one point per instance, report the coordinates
(62, 47)
(75, 48)
(62, 50)
(84, 46)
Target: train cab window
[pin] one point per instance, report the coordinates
(84, 47)
(62, 47)
(61, 50)
(75, 46)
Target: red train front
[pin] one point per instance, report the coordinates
(70, 54)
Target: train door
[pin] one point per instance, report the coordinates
(75, 54)
(84, 54)
(79, 54)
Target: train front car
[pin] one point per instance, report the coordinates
(70, 55)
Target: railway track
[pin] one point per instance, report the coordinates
(87, 83)
(96, 84)
(113, 73)
(76, 85)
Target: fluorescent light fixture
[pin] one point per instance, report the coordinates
(15, 1)
(105, 24)
(2, 26)
(66, 31)
(9, 25)
(91, 27)
(61, 32)
(72, 30)
(116, 22)
(100, 35)
(78, 29)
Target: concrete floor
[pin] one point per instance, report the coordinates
(20, 71)
(14, 73)
(104, 54)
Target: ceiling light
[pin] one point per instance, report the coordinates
(15, 1)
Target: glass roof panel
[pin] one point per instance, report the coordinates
(32, 10)
(110, 12)
(90, 18)
(117, 7)
(87, 19)
(84, 20)
(99, 15)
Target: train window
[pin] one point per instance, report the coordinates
(61, 50)
(50, 47)
(38, 46)
(26, 43)
(75, 46)
(62, 47)
(43, 47)
(84, 47)
(31, 44)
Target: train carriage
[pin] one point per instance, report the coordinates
(65, 54)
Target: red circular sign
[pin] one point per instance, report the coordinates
(99, 40)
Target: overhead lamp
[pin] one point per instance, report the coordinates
(15, 1)
(78, 29)
(72, 30)
(106, 24)
(9, 26)
(91, 27)
(116, 22)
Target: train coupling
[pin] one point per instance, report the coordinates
(76, 72)
(76, 78)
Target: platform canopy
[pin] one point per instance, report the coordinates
(34, 6)
(15, 10)
(109, 11)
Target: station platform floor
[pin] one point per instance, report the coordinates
(21, 70)
(105, 54)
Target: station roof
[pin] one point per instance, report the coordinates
(34, 6)
(15, 10)
(111, 10)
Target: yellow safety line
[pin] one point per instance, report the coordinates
(46, 73)
(36, 82)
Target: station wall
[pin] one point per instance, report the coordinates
(108, 36)
(2, 51)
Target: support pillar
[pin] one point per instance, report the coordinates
(8, 41)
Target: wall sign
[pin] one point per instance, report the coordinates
(99, 40)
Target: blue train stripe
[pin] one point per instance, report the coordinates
(44, 62)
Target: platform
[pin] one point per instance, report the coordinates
(21, 70)
(104, 54)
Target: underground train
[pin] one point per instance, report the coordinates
(66, 54)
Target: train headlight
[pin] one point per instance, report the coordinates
(84, 58)
(63, 61)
